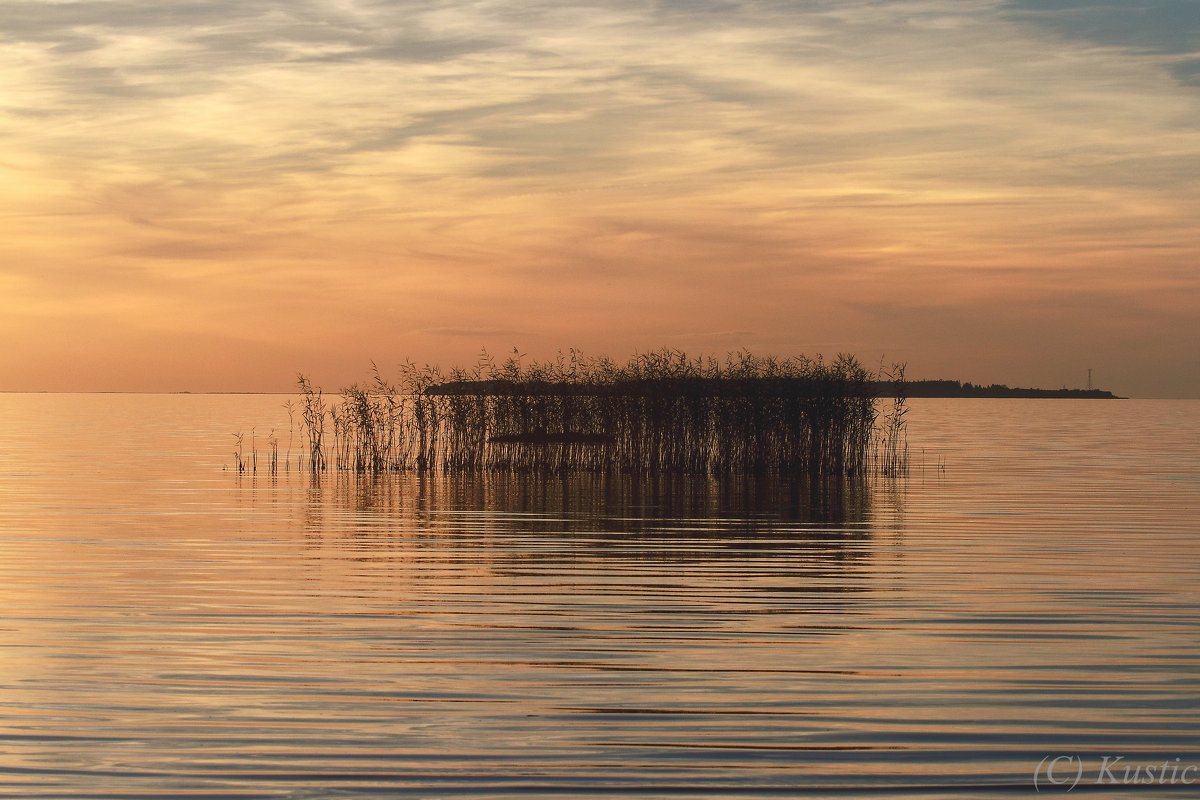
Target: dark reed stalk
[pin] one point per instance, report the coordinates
(661, 412)
(287, 458)
(238, 462)
(273, 457)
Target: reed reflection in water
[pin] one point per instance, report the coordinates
(169, 629)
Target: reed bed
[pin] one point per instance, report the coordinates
(660, 412)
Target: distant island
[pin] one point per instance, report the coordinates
(945, 388)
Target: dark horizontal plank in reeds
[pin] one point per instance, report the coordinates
(541, 437)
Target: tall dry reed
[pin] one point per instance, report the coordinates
(660, 412)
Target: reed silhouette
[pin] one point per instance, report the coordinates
(660, 412)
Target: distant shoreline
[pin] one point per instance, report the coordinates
(948, 388)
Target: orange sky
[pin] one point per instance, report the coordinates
(216, 196)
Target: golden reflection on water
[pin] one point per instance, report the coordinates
(168, 627)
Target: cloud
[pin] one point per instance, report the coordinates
(1187, 71)
(533, 166)
(1156, 26)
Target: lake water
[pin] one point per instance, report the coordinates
(170, 629)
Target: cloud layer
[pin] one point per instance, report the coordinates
(231, 192)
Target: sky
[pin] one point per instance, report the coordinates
(217, 195)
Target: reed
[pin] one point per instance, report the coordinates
(660, 412)
(290, 407)
(239, 459)
(244, 463)
(891, 447)
(313, 410)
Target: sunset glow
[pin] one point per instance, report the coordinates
(216, 196)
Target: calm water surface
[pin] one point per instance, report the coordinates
(168, 629)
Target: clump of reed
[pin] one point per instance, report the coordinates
(243, 463)
(660, 412)
(891, 445)
(312, 420)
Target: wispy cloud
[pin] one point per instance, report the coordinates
(606, 172)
